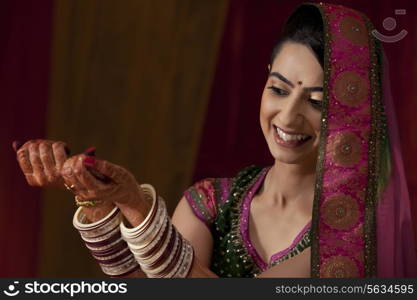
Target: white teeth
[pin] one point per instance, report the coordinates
(290, 137)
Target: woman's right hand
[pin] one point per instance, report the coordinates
(41, 161)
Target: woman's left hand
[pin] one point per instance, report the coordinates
(116, 186)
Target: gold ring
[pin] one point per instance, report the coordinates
(70, 188)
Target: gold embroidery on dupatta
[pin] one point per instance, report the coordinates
(339, 267)
(345, 149)
(351, 89)
(354, 31)
(340, 212)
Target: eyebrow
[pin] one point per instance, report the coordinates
(282, 78)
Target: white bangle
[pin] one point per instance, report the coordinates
(104, 240)
(141, 251)
(148, 190)
(187, 263)
(99, 227)
(142, 241)
(154, 257)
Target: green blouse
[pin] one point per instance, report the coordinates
(223, 204)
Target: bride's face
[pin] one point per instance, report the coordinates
(291, 105)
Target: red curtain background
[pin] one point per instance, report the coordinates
(25, 34)
(232, 137)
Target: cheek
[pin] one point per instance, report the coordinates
(315, 123)
(312, 120)
(265, 114)
(268, 107)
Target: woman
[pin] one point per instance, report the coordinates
(324, 204)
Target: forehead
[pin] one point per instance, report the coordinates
(297, 62)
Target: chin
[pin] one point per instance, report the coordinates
(291, 159)
(294, 158)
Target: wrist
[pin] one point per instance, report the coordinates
(96, 213)
(136, 208)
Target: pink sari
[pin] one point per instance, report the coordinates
(396, 251)
(361, 223)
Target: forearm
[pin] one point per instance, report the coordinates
(135, 213)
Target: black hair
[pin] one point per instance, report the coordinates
(304, 26)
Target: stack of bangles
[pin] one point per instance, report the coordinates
(155, 244)
(159, 248)
(106, 244)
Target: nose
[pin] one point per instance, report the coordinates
(290, 114)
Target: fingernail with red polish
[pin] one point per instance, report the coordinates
(67, 151)
(89, 161)
(91, 151)
(16, 145)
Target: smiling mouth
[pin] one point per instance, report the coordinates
(290, 140)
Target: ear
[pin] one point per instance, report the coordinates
(269, 67)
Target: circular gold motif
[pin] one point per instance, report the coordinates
(350, 88)
(339, 267)
(354, 31)
(345, 149)
(340, 211)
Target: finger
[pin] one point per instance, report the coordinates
(66, 170)
(85, 177)
(69, 173)
(48, 161)
(23, 160)
(116, 173)
(60, 153)
(89, 163)
(37, 166)
(31, 179)
(26, 166)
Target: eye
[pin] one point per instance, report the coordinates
(277, 91)
(317, 104)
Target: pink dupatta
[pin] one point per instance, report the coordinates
(396, 252)
(361, 223)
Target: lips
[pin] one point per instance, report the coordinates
(287, 140)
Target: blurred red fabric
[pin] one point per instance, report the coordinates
(25, 34)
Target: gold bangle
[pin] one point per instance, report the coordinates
(88, 203)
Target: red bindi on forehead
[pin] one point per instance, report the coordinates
(300, 82)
